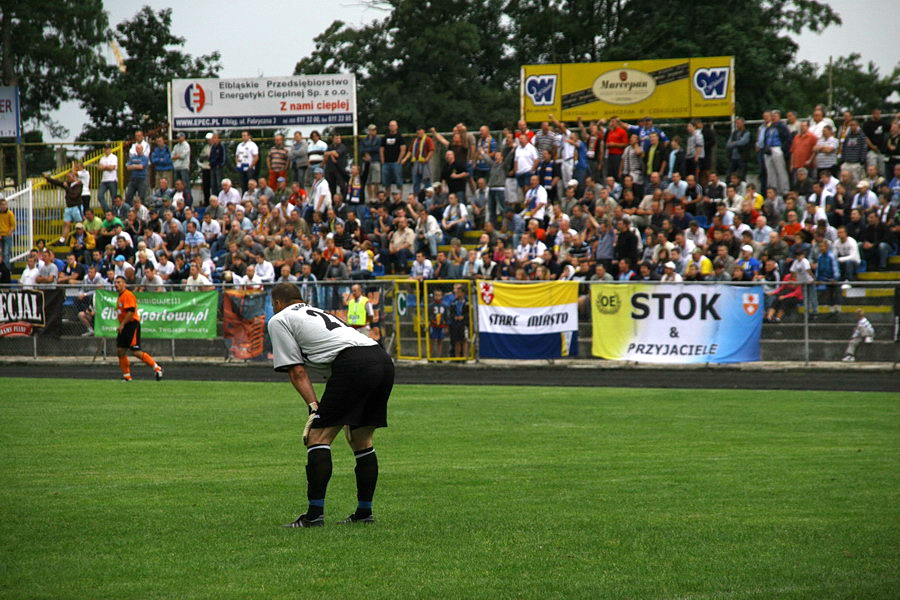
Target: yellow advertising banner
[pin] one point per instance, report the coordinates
(665, 88)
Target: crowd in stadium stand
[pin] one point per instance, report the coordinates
(578, 201)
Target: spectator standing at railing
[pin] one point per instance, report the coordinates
(72, 187)
(139, 141)
(391, 154)
(161, 159)
(109, 178)
(853, 150)
(181, 161)
(7, 228)
(205, 171)
(420, 152)
(138, 166)
(299, 158)
(246, 158)
(738, 145)
(277, 160)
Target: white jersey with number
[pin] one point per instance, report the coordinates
(308, 336)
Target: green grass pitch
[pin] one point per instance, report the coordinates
(177, 490)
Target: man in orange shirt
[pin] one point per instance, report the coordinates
(129, 332)
(802, 150)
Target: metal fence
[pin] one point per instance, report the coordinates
(808, 331)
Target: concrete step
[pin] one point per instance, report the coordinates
(879, 276)
(90, 346)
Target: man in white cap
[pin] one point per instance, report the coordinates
(321, 194)
(669, 274)
(864, 199)
(750, 265)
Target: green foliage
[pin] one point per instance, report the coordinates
(177, 489)
(440, 63)
(856, 87)
(49, 49)
(119, 102)
(425, 63)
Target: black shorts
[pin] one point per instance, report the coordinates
(130, 336)
(458, 332)
(358, 389)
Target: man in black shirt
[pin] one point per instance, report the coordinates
(336, 165)
(875, 129)
(455, 176)
(393, 148)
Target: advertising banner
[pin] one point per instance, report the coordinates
(164, 315)
(9, 111)
(245, 323)
(536, 320)
(264, 102)
(676, 323)
(30, 312)
(666, 88)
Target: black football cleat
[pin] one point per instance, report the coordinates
(303, 521)
(158, 373)
(353, 519)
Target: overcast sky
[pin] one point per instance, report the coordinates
(268, 37)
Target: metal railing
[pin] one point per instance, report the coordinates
(807, 331)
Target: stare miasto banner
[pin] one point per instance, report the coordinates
(672, 323)
(529, 320)
(666, 88)
(164, 315)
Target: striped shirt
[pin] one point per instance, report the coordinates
(278, 158)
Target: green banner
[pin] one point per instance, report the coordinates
(180, 315)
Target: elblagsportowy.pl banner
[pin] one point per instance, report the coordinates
(264, 102)
(532, 320)
(179, 315)
(676, 323)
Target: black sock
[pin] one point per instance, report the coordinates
(318, 472)
(366, 479)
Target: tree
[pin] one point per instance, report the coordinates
(425, 63)
(855, 87)
(459, 60)
(117, 101)
(48, 50)
(756, 33)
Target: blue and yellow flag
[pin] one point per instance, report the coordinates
(530, 320)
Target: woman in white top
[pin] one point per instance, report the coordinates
(316, 150)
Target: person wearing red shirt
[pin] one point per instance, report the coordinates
(616, 142)
(802, 150)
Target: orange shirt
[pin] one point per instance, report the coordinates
(126, 301)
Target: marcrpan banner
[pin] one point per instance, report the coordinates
(666, 88)
(29, 312)
(533, 320)
(264, 102)
(164, 315)
(671, 323)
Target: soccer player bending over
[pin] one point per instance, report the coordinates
(129, 332)
(360, 377)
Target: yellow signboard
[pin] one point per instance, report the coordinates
(666, 88)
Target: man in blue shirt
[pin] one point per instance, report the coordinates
(750, 265)
(137, 167)
(216, 164)
(643, 130)
(777, 137)
(162, 161)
